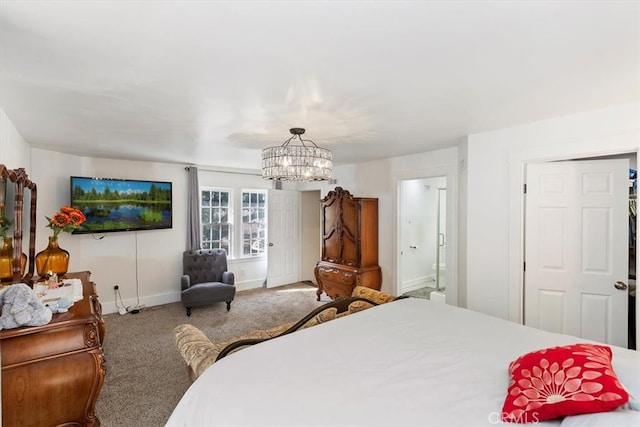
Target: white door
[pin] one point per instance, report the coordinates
(284, 241)
(576, 249)
(418, 232)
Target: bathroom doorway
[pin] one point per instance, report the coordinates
(423, 237)
(441, 245)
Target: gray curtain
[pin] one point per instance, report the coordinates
(193, 211)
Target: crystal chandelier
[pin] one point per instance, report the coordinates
(306, 162)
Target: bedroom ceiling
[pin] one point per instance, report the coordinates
(213, 83)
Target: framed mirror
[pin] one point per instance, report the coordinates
(16, 183)
(3, 186)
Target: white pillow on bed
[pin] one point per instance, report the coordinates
(617, 418)
(628, 371)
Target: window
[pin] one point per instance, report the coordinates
(254, 222)
(216, 224)
(220, 209)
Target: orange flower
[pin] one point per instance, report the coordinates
(59, 220)
(67, 219)
(77, 217)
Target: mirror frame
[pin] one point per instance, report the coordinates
(21, 180)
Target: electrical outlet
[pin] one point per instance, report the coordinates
(116, 287)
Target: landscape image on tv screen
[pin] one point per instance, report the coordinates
(121, 204)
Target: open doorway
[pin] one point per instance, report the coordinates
(423, 237)
(311, 246)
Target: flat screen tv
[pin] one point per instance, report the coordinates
(121, 204)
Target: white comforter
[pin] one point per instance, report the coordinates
(410, 362)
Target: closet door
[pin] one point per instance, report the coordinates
(576, 245)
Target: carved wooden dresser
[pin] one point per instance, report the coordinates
(349, 245)
(52, 374)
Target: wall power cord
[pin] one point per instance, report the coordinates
(121, 307)
(136, 309)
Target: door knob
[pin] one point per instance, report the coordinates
(270, 244)
(620, 285)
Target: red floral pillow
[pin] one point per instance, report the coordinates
(561, 381)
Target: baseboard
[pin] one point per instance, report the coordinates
(249, 284)
(149, 301)
(167, 298)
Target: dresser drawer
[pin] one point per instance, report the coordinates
(335, 275)
(337, 290)
(336, 282)
(50, 342)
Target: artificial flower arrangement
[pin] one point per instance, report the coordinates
(67, 220)
(5, 222)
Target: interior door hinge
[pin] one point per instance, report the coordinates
(524, 266)
(524, 190)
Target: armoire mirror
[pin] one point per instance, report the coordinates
(16, 187)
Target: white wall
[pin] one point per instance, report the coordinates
(381, 179)
(14, 150)
(495, 165)
(145, 264)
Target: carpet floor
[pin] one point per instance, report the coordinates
(146, 376)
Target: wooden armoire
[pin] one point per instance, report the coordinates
(349, 230)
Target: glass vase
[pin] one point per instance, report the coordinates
(53, 259)
(6, 261)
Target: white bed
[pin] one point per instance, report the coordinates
(409, 362)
